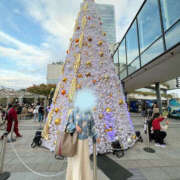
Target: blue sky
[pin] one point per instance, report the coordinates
(35, 33)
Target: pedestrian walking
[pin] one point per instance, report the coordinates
(12, 117)
(41, 113)
(35, 113)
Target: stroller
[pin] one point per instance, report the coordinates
(37, 139)
(117, 149)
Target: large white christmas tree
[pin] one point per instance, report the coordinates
(89, 65)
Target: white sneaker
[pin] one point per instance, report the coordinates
(156, 144)
(163, 145)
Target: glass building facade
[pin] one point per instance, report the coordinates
(154, 30)
(107, 14)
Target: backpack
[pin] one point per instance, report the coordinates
(37, 139)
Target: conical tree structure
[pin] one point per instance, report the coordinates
(89, 65)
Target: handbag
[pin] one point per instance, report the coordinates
(67, 143)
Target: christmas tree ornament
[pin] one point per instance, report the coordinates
(108, 109)
(56, 110)
(89, 39)
(104, 33)
(57, 121)
(88, 74)
(121, 102)
(64, 79)
(67, 51)
(100, 43)
(63, 92)
(101, 54)
(77, 41)
(88, 64)
(79, 75)
(100, 116)
(78, 86)
(94, 81)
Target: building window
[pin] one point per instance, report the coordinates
(122, 55)
(170, 12)
(149, 24)
(132, 43)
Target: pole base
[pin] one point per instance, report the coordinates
(4, 175)
(149, 150)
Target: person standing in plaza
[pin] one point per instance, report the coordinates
(41, 113)
(35, 112)
(81, 120)
(12, 117)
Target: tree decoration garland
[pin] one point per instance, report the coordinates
(81, 40)
(83, 23)
(85, 7)
(72, 89)
(77, 62)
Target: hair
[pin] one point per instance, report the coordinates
(156, 115)
(15, 105)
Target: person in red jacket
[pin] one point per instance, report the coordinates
(159, 135)
(12, 116)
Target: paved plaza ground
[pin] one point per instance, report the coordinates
(40, 164)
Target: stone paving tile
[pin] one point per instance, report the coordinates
(174, 172)
(155, 174)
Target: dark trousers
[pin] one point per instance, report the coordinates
(159, 136)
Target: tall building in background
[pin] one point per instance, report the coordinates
(107, 14)
(53, 72)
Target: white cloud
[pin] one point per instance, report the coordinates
(21, 53)
(17, 80)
